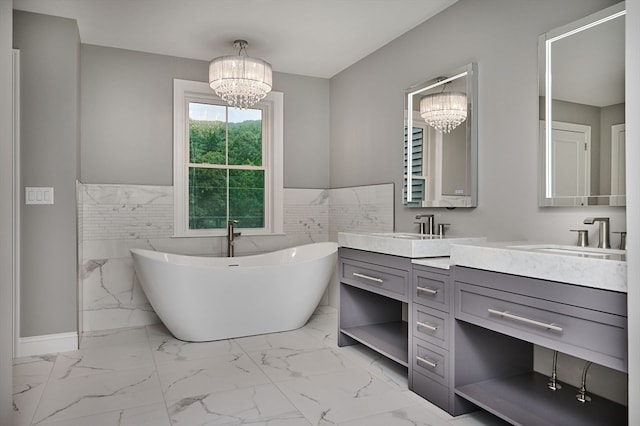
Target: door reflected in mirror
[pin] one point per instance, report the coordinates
(440, 152)
(581, 70)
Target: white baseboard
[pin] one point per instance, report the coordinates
(47, 344)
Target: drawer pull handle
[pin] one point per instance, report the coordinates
(427, 290)
(428, 326)
(526, 320)
(426, 361)
(367, 277)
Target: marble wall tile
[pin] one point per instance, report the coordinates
(115, 218)
(361, 209)
(112, 296)
(126, 211)
(306, 213)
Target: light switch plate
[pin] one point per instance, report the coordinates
(38, 195)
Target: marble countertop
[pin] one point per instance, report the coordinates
(434, 262)
(547, 261)
(403, 243)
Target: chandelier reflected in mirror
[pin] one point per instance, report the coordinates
(444, 111)
(240, 80)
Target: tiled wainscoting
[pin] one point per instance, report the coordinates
(114, 218)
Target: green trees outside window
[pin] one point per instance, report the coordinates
(226, 173)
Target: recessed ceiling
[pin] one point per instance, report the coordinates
(316, 38)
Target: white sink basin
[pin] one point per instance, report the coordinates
(404, 244)
(590, 252)
(585, 266)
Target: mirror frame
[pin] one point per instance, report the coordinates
(470, 71)
(545, 81)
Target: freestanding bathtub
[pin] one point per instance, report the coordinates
(211, 298)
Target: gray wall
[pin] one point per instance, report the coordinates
(127, 118)
(501, 36)
(632, 128)
(6, 215)
(49, 73)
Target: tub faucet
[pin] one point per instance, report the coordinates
(428, 226)
(231, 235)
(605, 241)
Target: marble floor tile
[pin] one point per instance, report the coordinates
(157, 331)
(118, 336)
(291, 340)
(169, 349)
(102, 359)
(143, 376)
(148, 415)
(98, 393)
(343, 396)
(30, 376)
(478, 418)
(263, 404)
(408, 416)
(323, 326)
(207, 375)
(285, 364)
(387, 369)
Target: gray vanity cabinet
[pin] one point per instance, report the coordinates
(431, 324)
(469, 337)
(374, 288)
(498, 319)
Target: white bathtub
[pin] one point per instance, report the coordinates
(211, 298)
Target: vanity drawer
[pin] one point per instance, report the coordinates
(386, 276)
(431, 289)
(431, 325)
(589, 334)
(431, 361)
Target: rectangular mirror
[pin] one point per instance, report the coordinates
(441, 162)
(582, 143)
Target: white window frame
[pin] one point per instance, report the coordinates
(185, 91)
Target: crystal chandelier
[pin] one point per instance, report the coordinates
(444, 111)
(241, 81)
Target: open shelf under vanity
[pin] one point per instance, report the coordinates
(525, 399)
(389, 339)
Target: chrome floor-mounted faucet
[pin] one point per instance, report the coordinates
(605, 241)
(231, 236)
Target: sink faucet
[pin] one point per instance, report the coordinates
(605, 241)
(428, 226)
(231, 235)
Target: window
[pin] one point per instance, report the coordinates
(227, 163)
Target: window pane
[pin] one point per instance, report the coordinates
(245, 137)
(207, 198)
(246, 197)
(207, 133)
